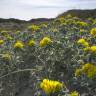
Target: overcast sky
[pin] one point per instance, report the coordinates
(28, 9)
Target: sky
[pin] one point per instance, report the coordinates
(29, 9)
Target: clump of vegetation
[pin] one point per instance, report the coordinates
(62, 50)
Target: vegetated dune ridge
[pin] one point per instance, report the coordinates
(61, 49)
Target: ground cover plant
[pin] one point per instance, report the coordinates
(55, 58)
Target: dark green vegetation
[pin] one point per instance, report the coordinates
(84, 14)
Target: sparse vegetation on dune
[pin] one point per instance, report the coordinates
(49, 58)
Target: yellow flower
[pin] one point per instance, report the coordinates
(80, 41)
(93, 49)
(19, 44)
(89, 69)
(50, 86)
(93, 32)
(86, 44)
(74, 93)
(83, 42)
(86, 67)
(78, 72)
(1, 42)
(45, 41)
(31, 43)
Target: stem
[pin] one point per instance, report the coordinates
(14, 72)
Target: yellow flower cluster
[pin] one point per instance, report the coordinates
(50, 86)
(93, 32)
(91, 49)
(74, 93)
(45, 41)
(31, 43)
(33, 27)
(19, 44)
(88, 69)
(83, 42)
(1, 41)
